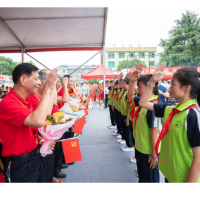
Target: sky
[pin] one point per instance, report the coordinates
(142, 25)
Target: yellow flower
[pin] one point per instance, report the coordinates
(48, 122)
(76, 90)
(56, 119)
(59, 114)
(74, 109)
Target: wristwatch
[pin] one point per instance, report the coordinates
(150, 85)
(153, 157)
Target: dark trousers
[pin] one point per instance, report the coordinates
(106, 101)
(58, 156)
(132, 138)
(146, 174)
(49, 163)
(127, 132)
(119, 123)
(30, 170)
(112, 116)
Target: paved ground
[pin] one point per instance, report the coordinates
(102, 159)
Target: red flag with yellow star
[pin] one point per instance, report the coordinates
(71, 150)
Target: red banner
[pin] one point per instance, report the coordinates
(167, 69)
(71, 150)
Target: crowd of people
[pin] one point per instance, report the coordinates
(34, 97)
(165, 136)
(4, 90)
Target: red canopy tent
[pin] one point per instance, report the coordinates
(98, 73)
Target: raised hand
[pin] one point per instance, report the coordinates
(140, 67)
(134, 76)
(51, 80)
(158, 73)
(121, 75)
(128, 75)
(115, 77)
(64, 81)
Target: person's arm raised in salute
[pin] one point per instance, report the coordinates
(65, 97)
(38, 116)
(157, 75)
(133, 81)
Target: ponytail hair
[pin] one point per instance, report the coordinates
(189, 76)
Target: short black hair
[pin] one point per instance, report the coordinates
(145, 79)
(127, 81)
(21, 69)
(116, 82)
(68, 76)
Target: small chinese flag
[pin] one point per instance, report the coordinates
(86, 112)
(71, 150)
(78, 125)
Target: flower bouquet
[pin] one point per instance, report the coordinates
(74, 99)
(67, 110)
(54, 128)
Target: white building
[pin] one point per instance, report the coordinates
(68, 69)
(115, 55)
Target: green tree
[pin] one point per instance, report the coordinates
(7, 65)
(183, 45)
(131, 64)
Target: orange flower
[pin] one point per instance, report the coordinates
(56, 119)
(48, 122)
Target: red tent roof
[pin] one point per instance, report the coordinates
(98, 73)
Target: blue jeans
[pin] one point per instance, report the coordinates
(146, 174)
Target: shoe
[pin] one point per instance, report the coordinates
(123, 147)
(111, 127)
(128, 149)
(64, 166)
(119, 136)
(123, 142)
(115, 131)
(60, 175)
(71, 163)
(132, 160)
(119, 140)
(115, 134)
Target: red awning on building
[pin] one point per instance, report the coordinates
(98, 73)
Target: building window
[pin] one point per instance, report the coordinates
(131, 54)
(121, 55)
(141, 55)
(63, 71)
(111, 64)
(111, 55)
(143, 62)
(151, 54)
(120, 62)
(151, 63)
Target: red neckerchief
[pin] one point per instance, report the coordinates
(166, 127)
(132, 113)
(122, 94)
(138, 110)
(118, 95)
(109, 91)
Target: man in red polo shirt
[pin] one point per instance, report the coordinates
(18, 122)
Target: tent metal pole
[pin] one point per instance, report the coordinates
(37, 61)
(104, 69)
(85, 62)
(22, 55)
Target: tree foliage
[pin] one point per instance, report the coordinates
(183, 45)
(131, 64)
(7, 65)
(93, 81)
